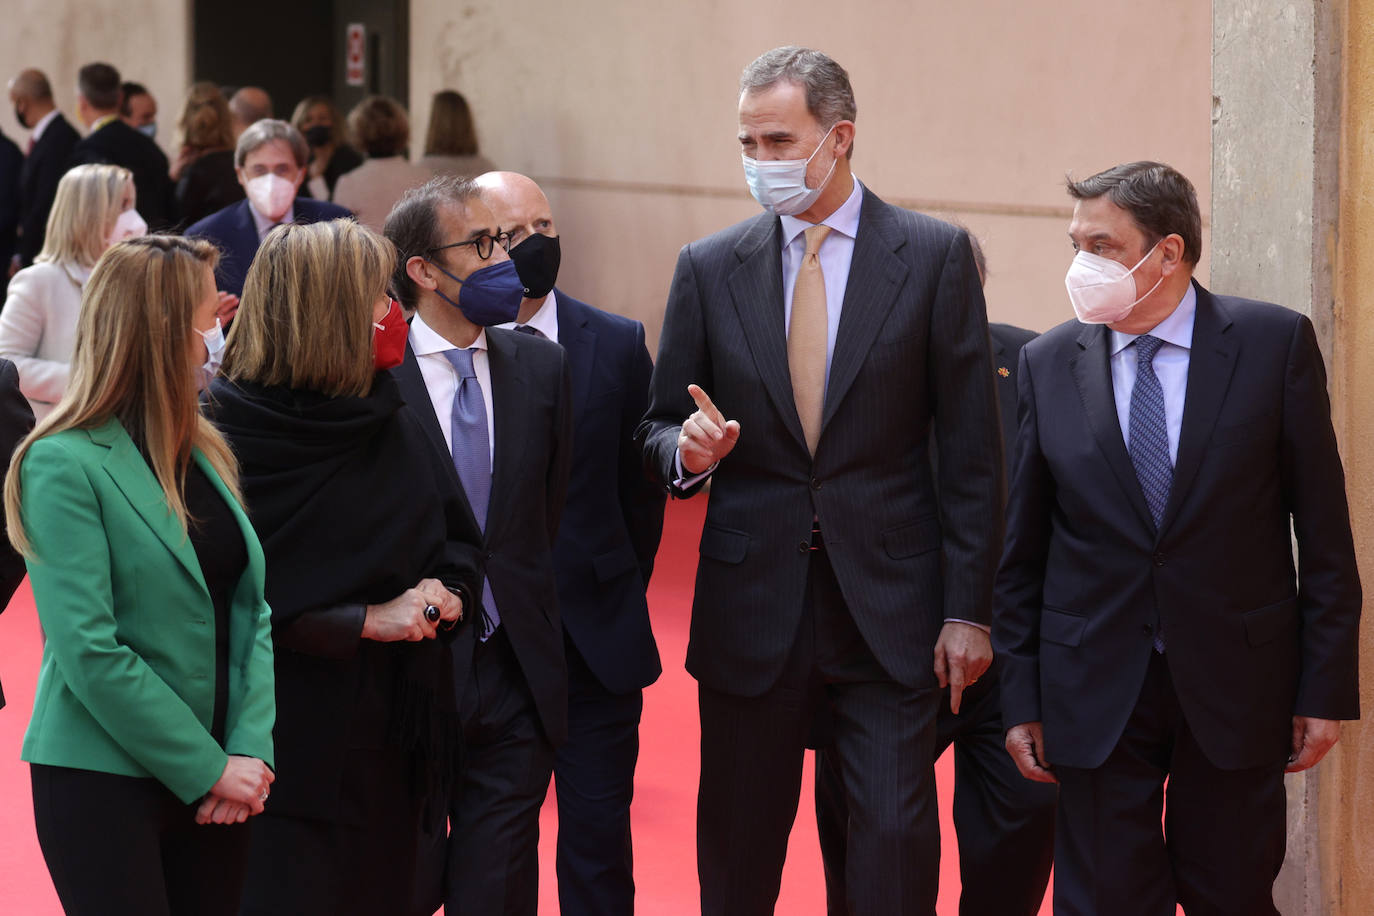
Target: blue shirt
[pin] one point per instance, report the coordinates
(1170, 363)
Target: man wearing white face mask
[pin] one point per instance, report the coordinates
(1151, 623)
(270, 159)
(809, 356)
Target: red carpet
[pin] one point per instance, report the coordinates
(665, 794)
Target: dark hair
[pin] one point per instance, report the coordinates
(413, 226)
(380, 126)
(1160, 200)
(99, 84)
(451, 131)
(128, 91)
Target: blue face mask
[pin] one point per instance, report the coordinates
(148, 130)
(491, 295)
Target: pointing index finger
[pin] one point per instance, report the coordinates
(706, 405)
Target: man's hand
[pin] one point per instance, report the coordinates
(1026, 744)
(1312, 738)
(962, 653)
(707, 436)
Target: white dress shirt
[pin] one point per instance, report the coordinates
(42, 124)
(1170, 363)
(265, 225)
(441, 378)
(545, 321)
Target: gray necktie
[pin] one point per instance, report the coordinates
(1150, 437)
(472, 455)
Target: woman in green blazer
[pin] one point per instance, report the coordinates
(151, 736)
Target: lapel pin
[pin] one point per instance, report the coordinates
(1003, 371)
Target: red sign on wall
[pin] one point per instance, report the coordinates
(355, 54)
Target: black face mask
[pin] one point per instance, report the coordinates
(20, 118)
(319, 135)
(536, 262)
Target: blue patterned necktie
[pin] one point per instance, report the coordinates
(472, 456)
(1150, 438)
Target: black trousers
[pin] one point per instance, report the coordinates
(1224, 831)
(1004, 822)
(490, 861)
(752, 750)
(119, 845)
(594, 773)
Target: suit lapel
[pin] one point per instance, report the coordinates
(507, 398)
(579, 343)
(135, 479)
(876, 274)
(414, 393)
(1211, 362)
(756, 289)
(1093, 375)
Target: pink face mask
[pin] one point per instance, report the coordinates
(271, 195)
(1102, 290)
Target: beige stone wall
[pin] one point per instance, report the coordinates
(626, 112)
(147, 40)
(1347, 775)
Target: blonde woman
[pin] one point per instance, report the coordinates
(204, 169)
(94, 209)
(371, 552)
(151, 735)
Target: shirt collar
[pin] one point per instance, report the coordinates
(425, 341)
(264, 225)
(545, 321)
(1177, 329)
(844, 220)
(102, 121)
(42, 124)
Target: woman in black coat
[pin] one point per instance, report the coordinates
(367, 573)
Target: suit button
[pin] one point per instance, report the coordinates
(1159, 559)
(815, 484)
(1147, 629)
(491, 555)
(803, 547)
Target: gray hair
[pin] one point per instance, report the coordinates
(413, 226)
(829, 97)
(261, 133)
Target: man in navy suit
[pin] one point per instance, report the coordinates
(1151, 622)
(111, 141)
(51, 140)
(270, 159)
(826, 345)
(607, 540)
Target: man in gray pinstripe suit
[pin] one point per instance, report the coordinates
(837, 334)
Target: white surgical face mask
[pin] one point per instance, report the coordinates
(128, 225)
(1102, 290)
(779, 185)
(214, 354)
(271, 195)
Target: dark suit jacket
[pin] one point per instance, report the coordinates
(1085, 578)
(1007, 341)
(119, 144)
(44, 167)
(533, 425)
(911, 357)
(16, 419)
(614, 514)
(234, 231)
(11, 165)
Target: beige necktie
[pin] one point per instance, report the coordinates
(806, 338)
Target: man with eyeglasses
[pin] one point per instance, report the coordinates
(501, 411)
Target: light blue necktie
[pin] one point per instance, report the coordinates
(472, 457)
(1150, 438)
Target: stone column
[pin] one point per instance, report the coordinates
(1279, 217)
